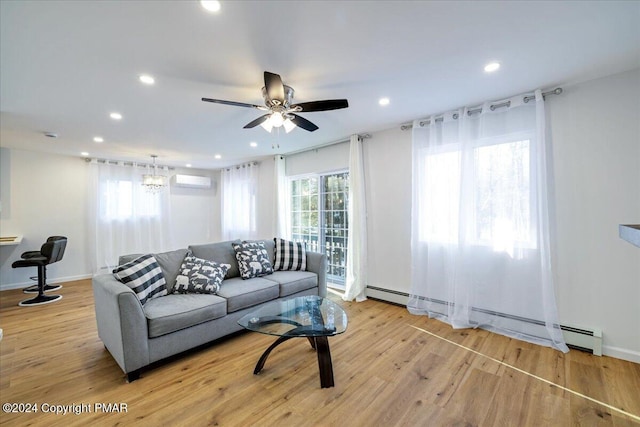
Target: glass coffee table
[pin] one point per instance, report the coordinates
(311, 317)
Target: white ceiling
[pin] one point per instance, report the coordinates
(65, 65)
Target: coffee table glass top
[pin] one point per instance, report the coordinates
(307, 316)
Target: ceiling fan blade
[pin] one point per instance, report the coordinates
(275, 88)
(236, 104)
(326, 105)
(303, 123)
(257, 121)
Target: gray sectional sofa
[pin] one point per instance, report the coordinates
(137, 335)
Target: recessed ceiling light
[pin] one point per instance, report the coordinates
(146, 79)
(115, 116)
(217, 156)
(211, 5)
(253, 144)
(84, 153)
(98, 139)
(383, 101)
(491, 67)
(188, 165)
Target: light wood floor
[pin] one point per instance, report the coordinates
(387, 373)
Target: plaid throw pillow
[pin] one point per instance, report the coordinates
(290, 255)
(144, 276)
(200, 276)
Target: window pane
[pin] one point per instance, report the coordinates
(502, 193)
(295, 203)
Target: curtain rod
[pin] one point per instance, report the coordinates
(493, 107)
(326, 144)
(242, 165)
(123, 163)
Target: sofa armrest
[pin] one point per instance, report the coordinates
(317, 263)
(122, 325)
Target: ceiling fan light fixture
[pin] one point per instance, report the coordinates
(266, 124)
(276, 119)
(288, 125)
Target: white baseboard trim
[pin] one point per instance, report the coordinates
(402, 298)
(621, 353)
(8, 286)
(388, 295)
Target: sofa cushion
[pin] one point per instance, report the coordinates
(179, 311)
(292, 282)
(253, 259)
(241, 293)
(221, 252)
(289, 255)
(170, 263)
(200, 276)
(144, 276)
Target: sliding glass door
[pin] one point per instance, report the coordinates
(319, 218)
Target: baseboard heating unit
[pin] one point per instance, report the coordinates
(578, 338)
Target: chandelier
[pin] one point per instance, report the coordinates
(153, 183)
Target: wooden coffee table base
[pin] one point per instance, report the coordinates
(319, 344)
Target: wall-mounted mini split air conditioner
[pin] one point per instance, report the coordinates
(192, 181)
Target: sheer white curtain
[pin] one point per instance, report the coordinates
(282, 204)
(356, 272)
(239, 191)
(123, 217)
(480, 222)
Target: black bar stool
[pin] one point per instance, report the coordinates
(34, 254)
(52, 251)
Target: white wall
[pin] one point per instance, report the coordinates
(322, 160)
(266, 199)
(46, 194)
(387, 157)
(596, 139)
(195, 212)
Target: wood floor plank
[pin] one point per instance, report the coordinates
(386, 372)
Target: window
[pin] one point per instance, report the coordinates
(119, 197)
(319, 206)
(499, 202)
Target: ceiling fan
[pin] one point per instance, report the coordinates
(281, 111)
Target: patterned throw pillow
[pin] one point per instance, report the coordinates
(253, 259)
(199, 276)
(290, 255)
(144, 276)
